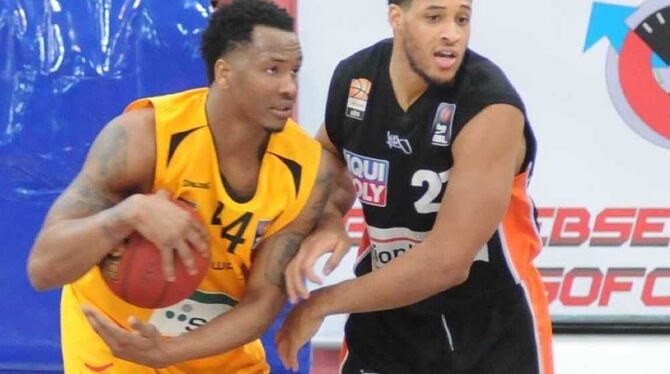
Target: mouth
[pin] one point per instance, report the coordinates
(445, 59)
(282, 111)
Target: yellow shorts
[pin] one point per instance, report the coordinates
(84, 351)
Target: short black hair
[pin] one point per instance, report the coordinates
(231, 25)
(401, 3)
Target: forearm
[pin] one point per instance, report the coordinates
(440, 262)
(243, 324)
(397, 284)
(343, 195)
(339, 203)
(66, 250)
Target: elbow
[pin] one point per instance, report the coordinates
(38, 275)
(453, 275)
(459, 277)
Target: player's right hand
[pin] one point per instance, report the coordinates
(329, 238)
(170, 227)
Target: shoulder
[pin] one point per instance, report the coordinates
(366, 60)
(131, 138)
(182, 98)
(138, 123)
(484, 82)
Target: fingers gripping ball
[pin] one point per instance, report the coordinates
(134, 272)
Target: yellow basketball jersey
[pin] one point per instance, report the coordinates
(187, 165)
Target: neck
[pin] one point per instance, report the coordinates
(408, 86)
(234, 135)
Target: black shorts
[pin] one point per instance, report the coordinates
(494, 334)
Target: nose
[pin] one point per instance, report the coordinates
(289, 86)
(450, 33)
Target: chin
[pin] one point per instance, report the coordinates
(441, 80)
(275, 127)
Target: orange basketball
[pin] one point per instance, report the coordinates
(134, 273)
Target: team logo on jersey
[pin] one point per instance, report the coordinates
(442, 124)
(370, 178)
(358, 98)
(260, 231)
(395, 141)
(638, 63)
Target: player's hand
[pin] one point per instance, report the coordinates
(329, 238)
(144, 345)
(170, 227)
(298, 328)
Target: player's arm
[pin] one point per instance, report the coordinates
(329, 236)
(488, 153)
(343, 195)
(102, 206)
(263, 299)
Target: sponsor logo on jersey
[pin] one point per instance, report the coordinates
(188, 202)
(370, 178)
(359, 92)
(395, 141)
(98, 368)
(442, 124)
(221, 265)
(191, 313)
(387, 244)
(190, 183)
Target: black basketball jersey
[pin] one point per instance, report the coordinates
(400, 162)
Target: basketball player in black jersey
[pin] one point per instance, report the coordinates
(440, 151)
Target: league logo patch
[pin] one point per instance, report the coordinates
(358, 98)
(442, 124)
(370, 178)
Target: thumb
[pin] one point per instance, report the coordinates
(145, 329)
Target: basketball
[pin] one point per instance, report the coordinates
(134, 273)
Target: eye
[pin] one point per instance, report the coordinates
(295, 70)
(433, 18)
(463, 20)
(273, 70)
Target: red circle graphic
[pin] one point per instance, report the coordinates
(640, 87)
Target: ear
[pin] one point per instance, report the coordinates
(395, 16)
(222, 73)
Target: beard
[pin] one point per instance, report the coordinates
(412, 53)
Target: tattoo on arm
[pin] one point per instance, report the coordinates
(285, 245)
(323, 187)
(82, 198)
(90, 191)
(282, 249)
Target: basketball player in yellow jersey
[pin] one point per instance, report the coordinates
(257, 180)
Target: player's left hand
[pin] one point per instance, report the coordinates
(297, 329)
(143, 345)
